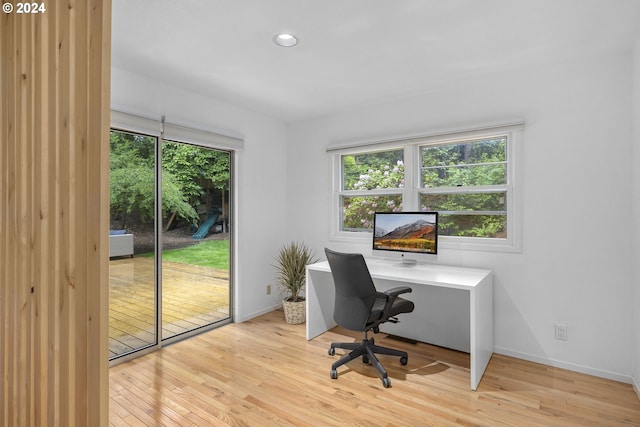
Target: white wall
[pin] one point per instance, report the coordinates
(636, 210)
(261, 172)
(575, 266)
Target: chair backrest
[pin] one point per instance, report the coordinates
(355, 291)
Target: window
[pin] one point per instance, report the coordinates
(371, 182)
(466, 182)
(468, 177)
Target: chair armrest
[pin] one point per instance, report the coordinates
(394, 292)
(391, 295)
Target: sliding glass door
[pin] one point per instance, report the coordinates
(170, 243)
(195, 238)
(132, 285)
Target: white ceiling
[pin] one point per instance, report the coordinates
(353, 52)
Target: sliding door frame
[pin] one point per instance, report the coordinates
(225, 142)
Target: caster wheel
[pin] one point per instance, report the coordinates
(332, 351)
(334, 374)
(365, 359)
(372, 341)
(403, 361)
(386, 382)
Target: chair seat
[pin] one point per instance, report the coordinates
(400, 305)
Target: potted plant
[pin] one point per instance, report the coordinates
(291, 262)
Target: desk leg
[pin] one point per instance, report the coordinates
(481, 302)
(320, 296)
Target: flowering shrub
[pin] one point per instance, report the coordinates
(358, 210)
(385, 176)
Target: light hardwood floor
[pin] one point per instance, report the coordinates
(264, 373)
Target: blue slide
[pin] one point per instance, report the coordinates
(205, 227)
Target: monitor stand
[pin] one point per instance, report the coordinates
(408, 262)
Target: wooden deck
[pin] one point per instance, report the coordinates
(193, 296)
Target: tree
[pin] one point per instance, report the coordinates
(467, 164)
(132, 167)
(189, 165)
(446, 167)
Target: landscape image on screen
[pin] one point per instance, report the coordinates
(406, 232)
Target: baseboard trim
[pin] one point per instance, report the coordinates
(569, 366)
(259, 313)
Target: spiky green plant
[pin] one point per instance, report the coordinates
(291, 262)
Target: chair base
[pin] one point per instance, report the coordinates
(368, 350)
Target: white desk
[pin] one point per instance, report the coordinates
(453, 306)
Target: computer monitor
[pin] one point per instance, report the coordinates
(410, 234)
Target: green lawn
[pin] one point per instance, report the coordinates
(210, 253)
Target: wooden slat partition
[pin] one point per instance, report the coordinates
(54, 196)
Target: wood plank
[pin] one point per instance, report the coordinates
(265, 373)
(194, 296)
(54, 117)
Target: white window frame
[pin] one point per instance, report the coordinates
(411, 191)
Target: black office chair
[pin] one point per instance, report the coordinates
(359, 307)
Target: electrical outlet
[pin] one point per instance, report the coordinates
(561, 331)
(268, 289)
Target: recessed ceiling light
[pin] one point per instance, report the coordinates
(285, 40)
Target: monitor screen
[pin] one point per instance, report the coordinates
(415, 232)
